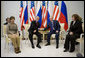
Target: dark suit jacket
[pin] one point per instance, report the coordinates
(34, 26)
(76, 28)
(56, 26)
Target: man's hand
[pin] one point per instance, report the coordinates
(57, 31)
(71, 33)
(34, 31)
(41, 28)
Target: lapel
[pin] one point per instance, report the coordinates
(74, 23)
(37, 23)
(53, 23)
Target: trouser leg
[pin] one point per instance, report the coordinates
(72, 48)
(31, 38)
(13, 39)
(57, 39)
(18, 41)
(48, 37)
(66, 45)
(39, 37)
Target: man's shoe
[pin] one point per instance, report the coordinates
(47, 44)
(71, 51)
(56, 47)
(19, 50)
(33, 46)
(16, 50)
(38, 46)
(65, 50)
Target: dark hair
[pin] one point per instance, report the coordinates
(7, 18)
(12, 17)
(77, 17)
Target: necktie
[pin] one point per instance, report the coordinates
(37, 23)
(52, 25)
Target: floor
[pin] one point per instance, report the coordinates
(45, 51)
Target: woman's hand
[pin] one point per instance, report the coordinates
(71, 33)
(15, 35)
(34, 31)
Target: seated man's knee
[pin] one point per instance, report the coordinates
(49, 34)
(57, 35)
(67, 35)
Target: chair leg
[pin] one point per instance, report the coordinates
(5, 45)
(8, 47)
(26, 41)
(21, 44)
(51, 39)
(80, 47)
(62, 40)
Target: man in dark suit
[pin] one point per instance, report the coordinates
(54, 29)
(74, 32)
(34, 30)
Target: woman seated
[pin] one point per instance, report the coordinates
(74, 33)
(12, 31)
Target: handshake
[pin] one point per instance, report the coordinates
(42, 29)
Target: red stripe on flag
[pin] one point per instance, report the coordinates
(31, 15)
(57, 14)
(22, 23)
(30, 19)
(27, 21)
(33, 11)
(21, 14)
(54, 10)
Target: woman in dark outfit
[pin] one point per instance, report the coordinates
(74, 32)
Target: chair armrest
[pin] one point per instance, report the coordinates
(81, 36)
(5, 35)
(6, 38)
